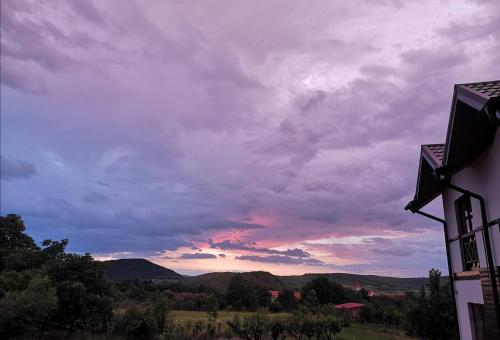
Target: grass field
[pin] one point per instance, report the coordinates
(356, 331)
(183, 316)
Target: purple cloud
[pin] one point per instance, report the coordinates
(238, 245)
(11, 168)
(280, 259)
(155, 127)
(197, 256)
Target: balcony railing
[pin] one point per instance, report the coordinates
(471, 258)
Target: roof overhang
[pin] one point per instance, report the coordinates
(474, 118)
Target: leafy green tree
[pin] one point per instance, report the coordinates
(327, 291)
(27, 310)
(287, 300)
(61, 290)
(332, 327)
(256, 325)
(84, 294)
(311, 301)
(241, 294)
(430, 316)
(276, 327)
(160, 310)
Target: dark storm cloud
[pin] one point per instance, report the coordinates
(197, 256)
(280, 259)
(95, 197)
(238, 245)
(156, 127)
(12, 168)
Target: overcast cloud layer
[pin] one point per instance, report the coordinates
(223, 135)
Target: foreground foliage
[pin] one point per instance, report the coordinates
(44, 290)
(44, 287)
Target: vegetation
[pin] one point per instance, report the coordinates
(138, 269)
(44, 290)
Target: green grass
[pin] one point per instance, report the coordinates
(356, 331)
(359, 331)
(184, 316)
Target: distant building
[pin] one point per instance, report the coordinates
(353, 308)
(371, 293)
(465, 171)
(274, 294)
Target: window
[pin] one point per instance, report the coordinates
(477, 321)
(468, 246)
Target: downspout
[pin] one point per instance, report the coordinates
(448, 256)
(487, 245)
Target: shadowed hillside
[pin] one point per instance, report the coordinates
(141, 269)
(220, 280)
(138, 269)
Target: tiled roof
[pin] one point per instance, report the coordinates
(349, 305)
(436, 152)
(487, 90)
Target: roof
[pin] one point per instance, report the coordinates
(349, 305)
(434, 153)
(487, 89)
(474, 118)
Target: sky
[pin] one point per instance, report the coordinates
(235, 135)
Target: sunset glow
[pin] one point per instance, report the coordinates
(234, 136)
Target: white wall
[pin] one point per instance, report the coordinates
(481, 177)
(466, 291)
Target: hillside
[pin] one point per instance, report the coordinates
(141, 269)
(370, 282)
(138, 269)
(220, 280)
(381, 284)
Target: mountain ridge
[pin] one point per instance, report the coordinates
(142, 269)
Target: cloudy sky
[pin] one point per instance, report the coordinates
(231, 135)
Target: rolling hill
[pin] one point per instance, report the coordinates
(138, 269)
(141, 269)
(220, 280)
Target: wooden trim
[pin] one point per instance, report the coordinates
(476, 230)
(468, 275)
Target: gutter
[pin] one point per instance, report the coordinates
(411, 207)
(487, 246)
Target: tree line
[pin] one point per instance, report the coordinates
(43, 288)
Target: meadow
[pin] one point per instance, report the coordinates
(356, 331)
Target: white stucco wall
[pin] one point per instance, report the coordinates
(481, 177)
(466, 291)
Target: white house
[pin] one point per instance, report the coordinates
(465, 171)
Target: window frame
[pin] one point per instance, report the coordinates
(465, 228)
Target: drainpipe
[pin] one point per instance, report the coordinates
(487, 245)
(448, 256)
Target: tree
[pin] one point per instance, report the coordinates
(287, 300)
(28, 310)
(241, 294)
(84, 294)
(277, 327)
(431, 316)
(160, 310)
(256, 325)
(332, 327)
(311, 301)
(43, 287)
(327, 291)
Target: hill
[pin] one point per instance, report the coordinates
(385, 284)
(220, 280)
(380, 284)
(138, 269)
(141, 269)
